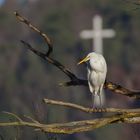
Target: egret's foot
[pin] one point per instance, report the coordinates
(102, 109)
(98, 109)
(94, 109)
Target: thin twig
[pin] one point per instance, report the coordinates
(30, 118)
(14, 115)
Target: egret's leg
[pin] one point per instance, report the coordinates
(94, 96)
(100, 100)
(99, 93)
(93, 103)
(95, 100)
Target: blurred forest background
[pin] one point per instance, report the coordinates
(25, 79)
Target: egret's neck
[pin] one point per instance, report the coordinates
(88, 67)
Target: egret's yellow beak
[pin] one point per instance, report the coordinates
(83, 60)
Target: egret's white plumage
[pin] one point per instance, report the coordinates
(97, 70)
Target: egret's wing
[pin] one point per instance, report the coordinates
(99, 64)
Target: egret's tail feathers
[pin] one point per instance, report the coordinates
(98, 100)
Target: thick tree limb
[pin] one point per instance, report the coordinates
(87, 109)
(74, 80)
(77, 126)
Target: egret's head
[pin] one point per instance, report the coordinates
(88, 57)
(84, 59)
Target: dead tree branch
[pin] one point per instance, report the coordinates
(87, 109)
(74, 80)
(76, 126)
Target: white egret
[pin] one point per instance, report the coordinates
(97, 69)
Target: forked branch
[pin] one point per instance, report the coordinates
(76, 126)
(74, 80)
(44, 36)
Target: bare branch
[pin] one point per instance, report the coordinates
(46, 38)
(87, 109)
(79, 126)
(74, 80)
(121, 90)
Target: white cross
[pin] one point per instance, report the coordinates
(97, 34)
